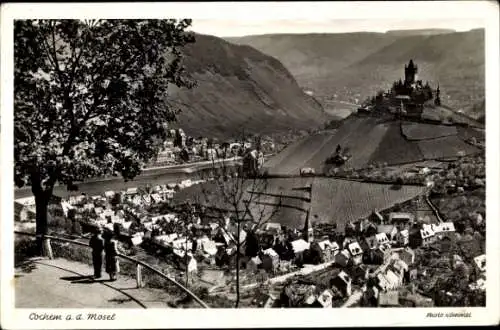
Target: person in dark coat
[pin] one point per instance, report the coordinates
(97, 244)
(111, 251)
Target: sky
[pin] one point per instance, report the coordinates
(229, 28)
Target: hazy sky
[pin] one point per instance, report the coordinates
(227, 28)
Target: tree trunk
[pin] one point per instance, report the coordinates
(42, 199)
(187, 265)
(238, 246)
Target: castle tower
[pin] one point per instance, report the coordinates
(410, 73)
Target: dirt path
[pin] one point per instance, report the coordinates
(60, 283)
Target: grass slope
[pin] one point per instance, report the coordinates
(240, 89)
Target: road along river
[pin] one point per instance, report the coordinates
(152, 176)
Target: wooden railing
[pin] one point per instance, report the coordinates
(139, 264)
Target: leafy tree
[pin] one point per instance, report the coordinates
(90, 99)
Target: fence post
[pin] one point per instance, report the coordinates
(138, 276)
(47, 248)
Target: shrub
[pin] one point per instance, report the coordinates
(24, 248)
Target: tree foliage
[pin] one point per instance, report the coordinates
(90, 97)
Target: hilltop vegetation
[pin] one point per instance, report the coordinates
(357, 65)
(241, 89)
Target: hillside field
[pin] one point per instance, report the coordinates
(420, 131)
(333, 200)
(374, 140)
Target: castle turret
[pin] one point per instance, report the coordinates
(410, 73)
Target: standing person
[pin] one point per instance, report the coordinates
(111, 249)
(97, 245)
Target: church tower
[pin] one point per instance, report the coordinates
(410, 73)
(307, 233)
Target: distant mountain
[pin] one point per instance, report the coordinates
(353, 66)
(240, 90)
(420, 32)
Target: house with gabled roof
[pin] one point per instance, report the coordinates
(109, 194)
(342, 258)
(479, 285)
(407, 255)
(343, 283)
(389, 230)
(427, 235)
(146, 199)
(400, 268)
(403, 237)
(444, 229)
(270, 260)
(329, 249)
(377, 217)
(132, 191)
(401, 219)
(137, 200)
(325, 298)
(393, 280)
(347, 241)
(300, 245)
(377, 256)
(253, 264)
(371, 243)
(356, 252)
(156, 198)
(480, 263)
(272, 227)
(89, 206)
(382, 239)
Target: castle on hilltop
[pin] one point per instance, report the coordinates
(406, 97)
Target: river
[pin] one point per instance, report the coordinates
(150, 176)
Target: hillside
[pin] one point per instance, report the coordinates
(375, 140)
(420, 32)
(240, 89)
(353, 66)
(333, 200)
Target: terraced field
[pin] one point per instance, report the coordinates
(333, 200)
(421, 131)
(445, 147)
(466, 133)
(394, 149)
(295, 156)
(371, 140)
(366, 146)
(350, 135)
(361, 135)
(340, 201)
